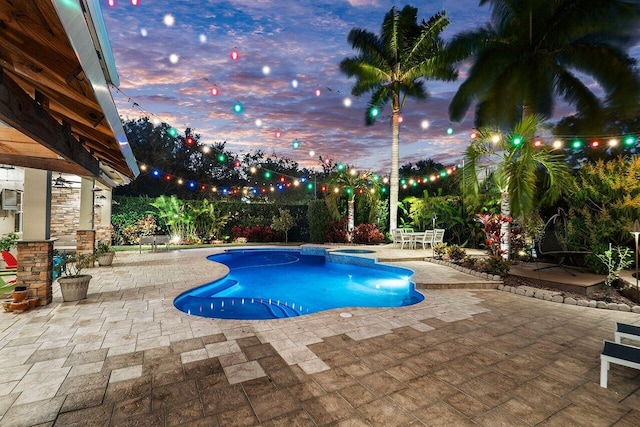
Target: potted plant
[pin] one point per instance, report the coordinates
(104, 254)
(8, 242)
(73, 284)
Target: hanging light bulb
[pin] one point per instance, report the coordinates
(234, 55)
(214, 91)
(277, 133)
(237, 108)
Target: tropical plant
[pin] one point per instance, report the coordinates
(179, 217)
(456, 253)
(534, 51)
(367, 234)
(209, 220)
(526, 175)
(283, 222)
(615, 260)
(337, 232)
(439, 250)
(363, 184)
(605, 200)
(393, 66)
(104, 248)
(8, 242)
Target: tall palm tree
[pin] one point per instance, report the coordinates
(363, 184)
(393, 66)
(534, 51)
(522, 171)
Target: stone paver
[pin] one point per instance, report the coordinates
(126, 356)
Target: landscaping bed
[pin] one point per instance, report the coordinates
(616, 295)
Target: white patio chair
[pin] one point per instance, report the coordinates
(425, 238)
(406, 238)
(395, 235)
(438, 236)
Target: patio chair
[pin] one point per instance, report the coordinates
(553, 243)
(406, 238)
(395, 235)
(425, 239)
(438, 236)
(10, 262)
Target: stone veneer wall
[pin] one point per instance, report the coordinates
(35, 264)
(65, 216)
(65, 213)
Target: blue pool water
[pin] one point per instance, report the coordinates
(272, 284)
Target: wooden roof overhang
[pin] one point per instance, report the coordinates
(56, 109)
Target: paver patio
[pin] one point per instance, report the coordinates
(125, 356)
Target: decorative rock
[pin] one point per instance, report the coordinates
(557, 298)
(497, 278)
(547, 297)
(529, 293)
(539, 295)
(636, 309)
(601, 304)
(501, 287)
(593, 303)
(583, 303)
(513, 289)
(612, 306)
(520, 291)
(624, 307)
(570, 301)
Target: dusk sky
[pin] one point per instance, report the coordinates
(167, 72)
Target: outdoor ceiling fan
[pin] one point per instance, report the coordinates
(60, 182)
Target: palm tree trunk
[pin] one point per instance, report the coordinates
(505, 228)
(394, 184)
(351, 216)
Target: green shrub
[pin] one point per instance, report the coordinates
(439, 250)
(319, 221)
(470, 262)
(494, 265)
(456, 253)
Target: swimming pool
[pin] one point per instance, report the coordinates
(274, 284)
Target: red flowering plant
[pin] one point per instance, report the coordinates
(337, 232)
(367, 234)
(492, 228)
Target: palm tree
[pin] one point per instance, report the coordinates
(364, 185)
(393, 66)
(534, 51)
(522, 171)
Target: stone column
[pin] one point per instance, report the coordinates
(86, 234)
(85, 241)
(35, 250)
(35, 264)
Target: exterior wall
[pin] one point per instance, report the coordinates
(65, 216)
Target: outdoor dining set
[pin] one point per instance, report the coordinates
(411, 238)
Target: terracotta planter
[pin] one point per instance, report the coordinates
(33, 302)
(74, 288)
(19, 296)
(19, 307)
(106, 258)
